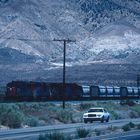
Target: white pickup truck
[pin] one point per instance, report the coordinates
(96, 114)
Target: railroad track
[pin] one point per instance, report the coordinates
(3, 100)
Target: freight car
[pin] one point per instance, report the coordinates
(114, 92)
(130, 92)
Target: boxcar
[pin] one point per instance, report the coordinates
(110, 91)
(98, 91)
(135, 91)
(86, 91)
(116, 91)
(69, 91)
(130, 92)
(123, 91)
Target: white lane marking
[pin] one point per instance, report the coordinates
(121, 137)
(15, 137)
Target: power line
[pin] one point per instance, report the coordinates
(65, 41)
(26, 39)
(39, 40)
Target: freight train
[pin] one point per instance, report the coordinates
(21, 90)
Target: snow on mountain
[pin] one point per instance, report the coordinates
(106, 31)
(107, 34)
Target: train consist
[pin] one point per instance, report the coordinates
(71, 91)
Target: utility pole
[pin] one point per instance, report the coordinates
(65, 41)
(138, 84)
(138, 80)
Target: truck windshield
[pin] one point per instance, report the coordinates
(95, 110)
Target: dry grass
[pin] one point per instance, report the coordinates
(34, 114)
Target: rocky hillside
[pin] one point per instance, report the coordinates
(105, 32)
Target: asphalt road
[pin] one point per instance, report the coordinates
(33, 133)
(131, 135)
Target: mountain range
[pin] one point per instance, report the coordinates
(106, 32)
